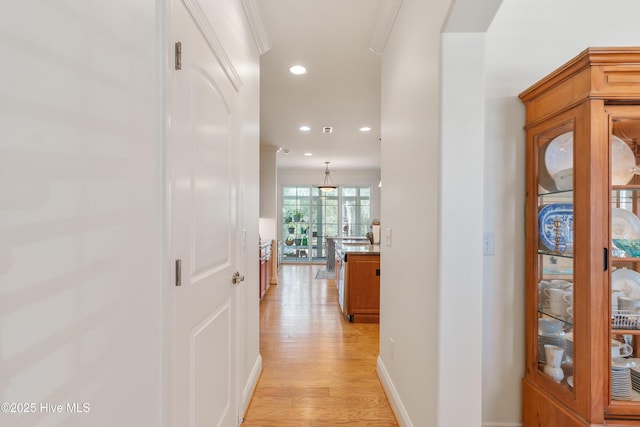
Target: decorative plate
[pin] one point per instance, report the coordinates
(623, 162)
(625, 280)
(546, 227)
(559, 153)
(624, 224)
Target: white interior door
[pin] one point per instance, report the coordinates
(204, 218)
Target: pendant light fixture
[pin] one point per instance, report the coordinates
(328, 184)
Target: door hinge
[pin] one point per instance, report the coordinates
(178, 272)
(178, 56)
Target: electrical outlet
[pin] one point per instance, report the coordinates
(488, 243)
(387, 236)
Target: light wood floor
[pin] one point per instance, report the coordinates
(318, 370)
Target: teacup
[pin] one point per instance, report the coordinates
(619, 349)
(543, 298)
(559, 283)
(557, 303)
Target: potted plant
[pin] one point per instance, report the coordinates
(297, 215)
(288, 217)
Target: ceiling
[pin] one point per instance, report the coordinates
(341, 89)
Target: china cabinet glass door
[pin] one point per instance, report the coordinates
(624, 149)
(555, 265)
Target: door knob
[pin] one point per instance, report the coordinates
(236, 278)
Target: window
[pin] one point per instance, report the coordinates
(309, 216)
(356, 211)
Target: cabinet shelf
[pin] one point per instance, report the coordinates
(560, 193)
(567, 255)
(546, 312)
(630, 187)
(625, 331)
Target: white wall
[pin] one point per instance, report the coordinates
(82, 289)
(524, 43)
(81, 211)
(268, 192)
(409, 207)
(461, 198)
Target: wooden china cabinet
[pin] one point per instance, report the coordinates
(582, 271)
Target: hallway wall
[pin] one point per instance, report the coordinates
(84, 278)
(81, 211)
(410, 175)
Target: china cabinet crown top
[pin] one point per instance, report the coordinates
(611, 73)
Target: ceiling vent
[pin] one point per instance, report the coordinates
(327, 129)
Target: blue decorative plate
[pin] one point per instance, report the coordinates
(546, 227)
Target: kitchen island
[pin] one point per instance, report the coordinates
(358, 280)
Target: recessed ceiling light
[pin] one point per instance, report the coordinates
(298, 70)
(308, 154)
(305, 128)
(365, 129)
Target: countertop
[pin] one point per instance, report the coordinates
(356, 247)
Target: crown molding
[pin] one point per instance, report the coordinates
(252, 10)
(385, 19)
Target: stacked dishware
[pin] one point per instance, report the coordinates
(553, 289)
(620, 383)
(633, 364)
(568, 344)
(635, 378)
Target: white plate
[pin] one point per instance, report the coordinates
(623, 162)
(623, 224)
(625, 280)
(559, 154)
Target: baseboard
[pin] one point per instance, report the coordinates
(393, 396)
(496, 424)
(398, 408)
(250, 386)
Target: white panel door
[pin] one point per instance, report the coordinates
(203, 191)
